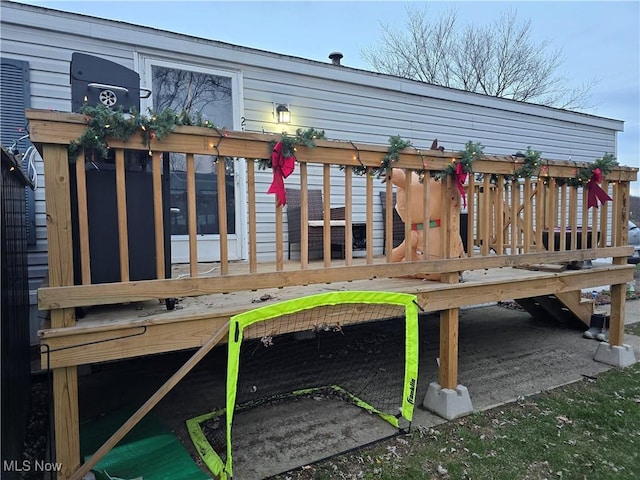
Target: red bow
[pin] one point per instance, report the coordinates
(595, 191)
(461, 177)
(282, 168)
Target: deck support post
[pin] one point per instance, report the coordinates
(447, 398)
(615, 352)
(65, 379)
(66, 423)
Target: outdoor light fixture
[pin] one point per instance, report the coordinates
(283, 115)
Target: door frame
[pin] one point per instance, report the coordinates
(237, 243)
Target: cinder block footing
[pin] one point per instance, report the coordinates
(446, 402)
(617, 355)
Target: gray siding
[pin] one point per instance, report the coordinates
(349, 104)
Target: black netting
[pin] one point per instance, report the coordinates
(345, 356)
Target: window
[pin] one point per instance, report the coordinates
(204, 94)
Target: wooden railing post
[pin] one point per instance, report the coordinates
(449, 318)
(618, 291)
(65, 380)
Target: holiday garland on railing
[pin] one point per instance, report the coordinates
(283, 159)
(531, 165)
(289, 143)
(103, 122)
(396, 145)
(590, 178)
(462, 166)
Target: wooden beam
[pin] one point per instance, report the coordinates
(580, 307)
(135, 339)
(65, 380)
(448, 375)
(279, 237)
(58, 203)
(388, 213)
(616, 320)
(66, 420)
(222, 216)
(158, 218)
(618, 288)
(348, 216)
(151, 402)
(528, 216)
(448, 371)
(471, 215)
(426, 207)
(83, 219)
(304, 217)
(253, 234)
(369, 220)
(477, 293)
(114, 293)
(326, 215)
(192, 216)
(123, 227)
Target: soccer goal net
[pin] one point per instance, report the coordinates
(295, 366)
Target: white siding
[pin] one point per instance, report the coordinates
(349, 104)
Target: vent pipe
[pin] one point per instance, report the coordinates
(335, 57)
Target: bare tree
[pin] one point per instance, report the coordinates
(499, 59)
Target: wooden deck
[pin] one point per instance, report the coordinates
(147, 327)
(506, 225)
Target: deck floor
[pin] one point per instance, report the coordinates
(237, 302)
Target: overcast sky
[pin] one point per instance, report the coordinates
(600, 39)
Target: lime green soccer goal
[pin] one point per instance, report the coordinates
(294, 367)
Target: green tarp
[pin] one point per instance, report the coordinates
(149, 451)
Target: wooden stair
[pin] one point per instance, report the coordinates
(567, 307)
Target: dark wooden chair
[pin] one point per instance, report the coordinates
(315, 227)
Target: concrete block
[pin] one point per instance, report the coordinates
(446, 402)
(617, 355)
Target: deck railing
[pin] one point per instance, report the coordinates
(508, 222)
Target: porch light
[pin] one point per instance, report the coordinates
(283, 115)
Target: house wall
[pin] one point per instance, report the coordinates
(348, 104)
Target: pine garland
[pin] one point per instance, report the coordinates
(584, 174)
(471, 153)
(289, 143)
(103, 122)
(531, 166)
(396, 145)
